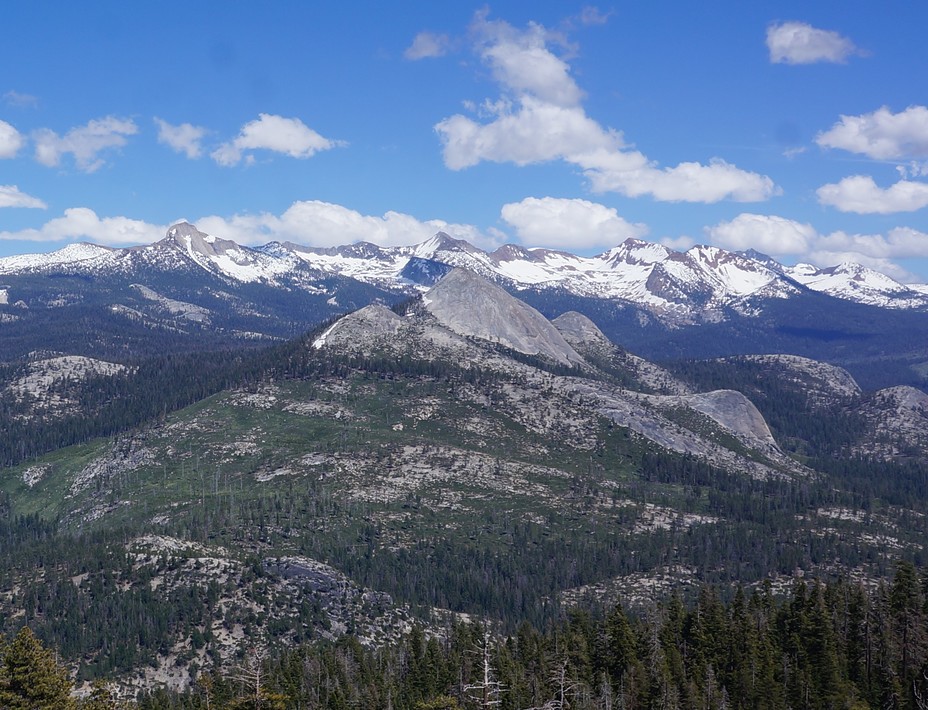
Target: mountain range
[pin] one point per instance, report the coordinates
(678, 287)
(193, 291)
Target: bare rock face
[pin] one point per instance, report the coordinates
(733, 411)
(371, 324)
(472, 306)
(189, 238)
(898, 418)
(581, 332)
(905, 398)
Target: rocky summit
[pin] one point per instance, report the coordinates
(472, 306)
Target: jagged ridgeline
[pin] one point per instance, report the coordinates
(458, 454)
(193, 291)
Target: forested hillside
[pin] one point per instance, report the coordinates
(161, 517)
(823, 645)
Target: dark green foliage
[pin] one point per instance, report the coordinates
(30, 677)
(758, 652)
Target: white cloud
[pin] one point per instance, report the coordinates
(898, 243)
(568, 223)
(82, 223)
(11, 140)
(317, 223)
(824, 258)
(769, 234)
(539, 118)
(859, 193)
(311, 223)
(537, 132)
(522, 62)
(184, 138)
(10, 196)
(428, 45)
(913, 169)
(781, 237)
(591, 15)
(631, 173)
(681, 243)
(14, 98)
(289, 136)
(799, 43)
(881, 135)
(85, 143)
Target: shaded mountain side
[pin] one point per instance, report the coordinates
(127, 316)
(818, 412)
(881, 348)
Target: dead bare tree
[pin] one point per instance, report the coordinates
(487, 690)
(252, 678)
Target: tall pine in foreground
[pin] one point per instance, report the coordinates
(31, 679)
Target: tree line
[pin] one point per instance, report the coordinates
(841, 644)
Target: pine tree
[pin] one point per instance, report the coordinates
(31, 678)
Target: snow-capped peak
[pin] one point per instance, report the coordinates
(637, 252)
(674, 286)
(858, 283)
(442, 242)
(80, 252)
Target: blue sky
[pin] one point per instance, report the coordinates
(798, 129)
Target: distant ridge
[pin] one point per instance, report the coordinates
(676, 287)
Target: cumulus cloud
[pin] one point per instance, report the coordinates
(82, 223)
(782, 237)
(881, 135)
(85, 143)
(10, 196)
(860, 194)
(770, 234)
(799, 43)
(631, 173)
(537, 132)
(898, 243)
(311, 223)
(427, 45)
(568, 223)
(521, 61)
(540, 118)
(317, 223)
(184, 138)
(11, 141)
(289, 136)
(876, 251)
(914, 168)
(895, 271)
